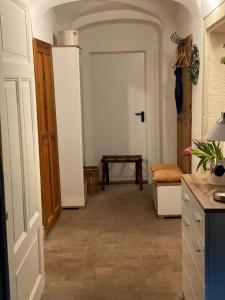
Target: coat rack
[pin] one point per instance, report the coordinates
(184, 118)
(184, 48)
(176, 39)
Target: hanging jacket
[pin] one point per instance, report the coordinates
(179, 89)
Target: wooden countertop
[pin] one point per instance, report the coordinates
(203, 192)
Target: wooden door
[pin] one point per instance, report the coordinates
(48, 145)
(20, 155)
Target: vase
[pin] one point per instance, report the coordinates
(216, 180)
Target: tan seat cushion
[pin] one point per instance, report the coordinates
(164, 166)
(167, 175)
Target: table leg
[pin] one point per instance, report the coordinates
(107, 172)
(136, 173)
(140, 176)
(103, 175)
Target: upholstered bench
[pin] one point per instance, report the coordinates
(166, 189)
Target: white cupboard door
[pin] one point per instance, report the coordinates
(20, 152)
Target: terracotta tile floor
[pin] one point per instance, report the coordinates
(115, 249)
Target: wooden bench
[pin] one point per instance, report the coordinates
(137, 159)
(166, 193)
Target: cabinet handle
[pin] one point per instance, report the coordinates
(186, 197)
(197, 216)
(186, 221)
(196, 246)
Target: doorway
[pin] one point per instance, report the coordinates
(118, 94)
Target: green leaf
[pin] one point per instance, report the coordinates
(209, 151)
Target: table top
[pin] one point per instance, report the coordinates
(122, 158)
(203, 192)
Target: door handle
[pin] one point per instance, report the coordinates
(142, 114)
(186, 221)
(185, 197)
(197, 216)
(197, 246)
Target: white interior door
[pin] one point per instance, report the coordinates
(117, 93)
(20, 152)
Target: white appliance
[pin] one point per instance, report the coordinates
(68, 111)
(68, 38)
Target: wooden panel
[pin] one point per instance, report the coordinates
(30, 152)
(17, 32)
(50, 181)
(184, 120)
(16, 159)
(46, 183)
(40, 90)
(55, 173)
(49, 88)
(26, 285)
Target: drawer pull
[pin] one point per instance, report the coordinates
(186, 221)
(197, 216)
(186, 197)
(196, 246)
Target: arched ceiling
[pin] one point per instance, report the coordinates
(78, 8)
(115, 17)
(77, 14)
(80, 11)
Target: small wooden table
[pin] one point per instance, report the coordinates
(137, 159)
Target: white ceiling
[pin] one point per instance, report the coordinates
(67, 13)
(72, 11)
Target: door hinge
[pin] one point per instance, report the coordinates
(6, 216)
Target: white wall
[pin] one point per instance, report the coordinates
(216, 75)
(165, 13)
(209, 5)
(43, 26)
(116, 37)
(173, 19)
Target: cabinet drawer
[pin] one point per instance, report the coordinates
(187, 288)
(196, 212)
(198, 216)
(186, 197)
(192, 271)
(194, 240)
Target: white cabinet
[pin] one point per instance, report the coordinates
(203, 240)
(66, 67)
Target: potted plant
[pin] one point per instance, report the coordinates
(211, 159)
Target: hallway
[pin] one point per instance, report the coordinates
(114, 249)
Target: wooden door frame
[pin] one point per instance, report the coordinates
(46, 47)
